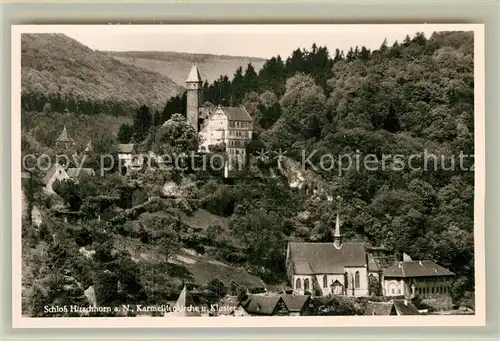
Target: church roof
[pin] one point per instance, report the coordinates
(64, 137)
(194, 75)
(424, 268)
(237, 114)
(325, 258)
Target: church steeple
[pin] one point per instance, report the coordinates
(64, 138)
(337, 236)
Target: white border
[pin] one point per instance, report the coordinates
(479, 319)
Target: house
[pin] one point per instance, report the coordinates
(55, 173)
(422, 277)
(263, 305)
(328, 268)
(75, 173)
(299, 305)
(394, 307)
(126, 154)
(226, 127)
(64, 141)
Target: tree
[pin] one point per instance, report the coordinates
(176, 137)
(143, 121)
(125, 133)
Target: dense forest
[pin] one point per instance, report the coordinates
(59, 74)
(415, 97)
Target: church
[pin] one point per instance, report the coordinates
(319, 269)
(218, 126)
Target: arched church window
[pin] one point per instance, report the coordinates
(325, 281)
(306, 284)
(346, 279)
(356, 279)
(298, 284)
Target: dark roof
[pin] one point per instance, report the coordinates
(295, 303)
(372, 264)
(261, 305)
(237, 114)
(379, 308)
(64, 137)
(127, 148)
(424, 268)
(324, 258)
(405, 307)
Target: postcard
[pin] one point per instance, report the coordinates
(248, 175)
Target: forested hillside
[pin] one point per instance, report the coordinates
(176, 65)
(59, 74)
(409, 99)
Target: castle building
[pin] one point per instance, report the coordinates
(328, 268)
(229, 128)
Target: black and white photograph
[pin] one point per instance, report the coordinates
(248, 175)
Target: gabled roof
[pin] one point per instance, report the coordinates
(325, 258)
(296, 303)
(194, 75)
(424, 268)
(405, 307)
(372, 264)
(396, 306)
(50, 173)
(127, 148)
(64, 137)
(261, 305)
(379, 308)
(236, 114)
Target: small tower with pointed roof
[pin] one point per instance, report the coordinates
(64, 140)
(337, 236)
(194, 85)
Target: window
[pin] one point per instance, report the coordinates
(432, 290)
(393, 291)
(306, 284)
(399, 291)
(298, 284)
(356, 279)
(325, 281)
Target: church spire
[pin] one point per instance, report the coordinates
(194, 75)
(337, 236)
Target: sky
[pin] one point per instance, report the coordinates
(239, 40)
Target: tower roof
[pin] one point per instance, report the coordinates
(194, 75)
(64, 137)
(337, 227)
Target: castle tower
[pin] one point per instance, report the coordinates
(64, 140)
(337, 237)
(194, 96)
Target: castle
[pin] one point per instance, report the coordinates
(218, 126)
